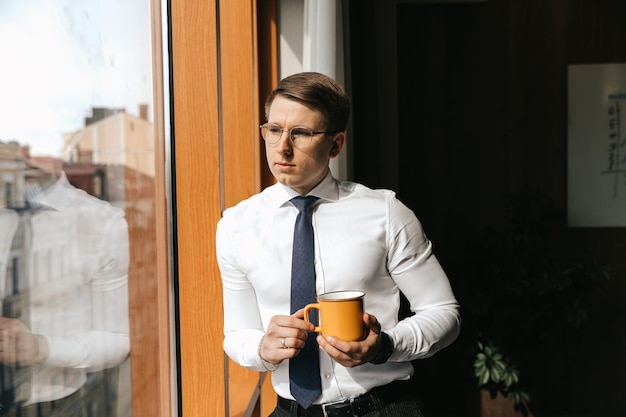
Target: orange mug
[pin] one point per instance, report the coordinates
(341, 314)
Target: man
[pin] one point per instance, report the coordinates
(64, 261)
(364, 240)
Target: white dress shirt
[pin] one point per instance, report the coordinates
(365, 240)
(78, 286)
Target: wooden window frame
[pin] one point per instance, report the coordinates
(218, 161)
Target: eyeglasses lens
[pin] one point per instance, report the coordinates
(300, 136)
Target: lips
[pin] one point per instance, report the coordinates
(284, 164)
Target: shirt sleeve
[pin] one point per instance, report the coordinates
(243, 328)
(435, 320)
(106, 343)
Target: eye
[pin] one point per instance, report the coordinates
(274, 130)
(300, 132)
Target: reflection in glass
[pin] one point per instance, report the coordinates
(76, 201)
(64, 324)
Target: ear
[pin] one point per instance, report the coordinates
(338, 142)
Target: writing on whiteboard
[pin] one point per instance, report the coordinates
(616, 149)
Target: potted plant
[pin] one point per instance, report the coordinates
(522, 286)
(499, 382)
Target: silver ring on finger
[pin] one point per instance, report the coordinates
(282, 342)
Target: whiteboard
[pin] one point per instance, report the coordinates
(596, 180)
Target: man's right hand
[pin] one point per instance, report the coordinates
(284, 337)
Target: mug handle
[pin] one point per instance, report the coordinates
(306, 315)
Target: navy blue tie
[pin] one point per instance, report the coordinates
(304, 372)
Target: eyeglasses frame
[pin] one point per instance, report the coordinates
(288, 131)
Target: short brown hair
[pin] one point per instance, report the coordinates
(319, 92)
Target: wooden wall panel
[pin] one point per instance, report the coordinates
(238, 101)
(244, 166)
(218, 162)
(267, 62)
(197, 173)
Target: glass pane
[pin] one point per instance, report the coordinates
(77, 202)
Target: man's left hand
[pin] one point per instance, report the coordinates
(351, 354)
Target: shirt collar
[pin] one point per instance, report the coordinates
(49, 195)
(327, 189)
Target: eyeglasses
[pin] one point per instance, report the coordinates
(300, 136)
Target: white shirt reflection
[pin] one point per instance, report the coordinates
(78, 286)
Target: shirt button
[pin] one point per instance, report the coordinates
(327, 375)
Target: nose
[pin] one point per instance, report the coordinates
(284, 143)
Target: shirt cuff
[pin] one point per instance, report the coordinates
(269, 366)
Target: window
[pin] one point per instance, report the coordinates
(82, 159)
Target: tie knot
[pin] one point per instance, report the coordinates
(304, 203)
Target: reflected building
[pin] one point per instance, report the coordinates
(12, 172)
(113, 137)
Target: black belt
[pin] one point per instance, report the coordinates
(358, 406)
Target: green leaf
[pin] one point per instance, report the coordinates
(485, 378)
(496, 375)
